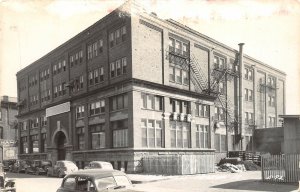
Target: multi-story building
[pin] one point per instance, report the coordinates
(8, 125)
(133, 84)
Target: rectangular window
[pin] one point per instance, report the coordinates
(202, 110)
(97, 135)
(111, 39)
(118, 36)
(79, 112)
(101, 71)
(180, 134)
(80, 56)
(81, 81)
(185, 77)
(112, 70)
(80, 138)
(64, 65)
(100, 46)
(43, 142)
(118, 67)
(202, 136)
(96, 76)
(172, 73)
(118, 102)
(178, 47)
(124, 65)
(123, 32)
(171, 45)
(91, 78)
(71, 61)
(34, 143)
(120, 133)
(90, 52)
(95, 49)
(178, 75)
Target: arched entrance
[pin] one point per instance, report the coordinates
(60, 141)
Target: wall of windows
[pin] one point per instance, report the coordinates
(77, 84)
(248, 74)
(79, 112)
(178, 75)
(249, 118)
(94, 49)
(96, 76)
(118, 102)
(180, 134)
(271, 101)
(45, 74)
(202, 136)
(118, 67)
(76, 58)
(153, 102)
(60, 90)
(60, 66)
(219, 114)
(180, 106)
(97, 136)
(202, 110)
(219, 62)
(97, 107)
(117, 36)
(248, 95)
(151, 133)
(120, 133)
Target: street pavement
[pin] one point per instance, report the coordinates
(245, 181)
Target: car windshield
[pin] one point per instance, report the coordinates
(107, 182)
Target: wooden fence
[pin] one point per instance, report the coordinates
(179, 164)
(281, 168)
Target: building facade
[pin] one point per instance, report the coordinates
(133, 84)
(8, 126)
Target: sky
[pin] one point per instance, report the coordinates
(270, 30)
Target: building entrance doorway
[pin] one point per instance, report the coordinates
(61, 141)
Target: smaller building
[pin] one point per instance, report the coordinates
(291, 125)
(8, 127)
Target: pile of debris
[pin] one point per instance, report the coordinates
(235, 165)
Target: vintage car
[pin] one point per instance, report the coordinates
(38, 167)
(6, 185)
(96, 180)
(20, 166)
(99, 165)
(62, 168)
(7, 164)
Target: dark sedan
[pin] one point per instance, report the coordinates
(96, 180)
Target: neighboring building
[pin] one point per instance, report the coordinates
(8, 123)
(133, 84)
(291, 124)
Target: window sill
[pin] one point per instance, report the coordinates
(151, 110)
(118, 110)
(98, 114)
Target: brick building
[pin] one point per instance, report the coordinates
(8, 123)
(133, 84)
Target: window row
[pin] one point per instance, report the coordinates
(44, 74)
(96, 76)
(220, 63)
(32, 146)
(34, 123)
(76, 58)
(151, 133)
(152, 102)
(33, 80)
(248, 95)
(97, 107)
(180, 106)
(178, 75)
(45, 95)
(271, 81)
(34, 99)
(59, 67)
(117, 36)
(95, 49)
(60, 90)
(178, 47)
(118, 102)
(118, 67)
(249, 118)
(202, 110)
(248, 74)
(77, 84)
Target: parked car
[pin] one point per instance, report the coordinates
(20, 166)
(7, 164)
(6, 185)
(38, 167)
(96, 180)
(99, 165)
(62, 168)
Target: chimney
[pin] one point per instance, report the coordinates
(241, 93)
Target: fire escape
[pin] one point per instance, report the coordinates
(228, 72)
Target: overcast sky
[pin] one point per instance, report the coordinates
(270, 30)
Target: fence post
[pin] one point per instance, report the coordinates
(262, 168)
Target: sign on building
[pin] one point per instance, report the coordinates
(58, 109)
(9, 153)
